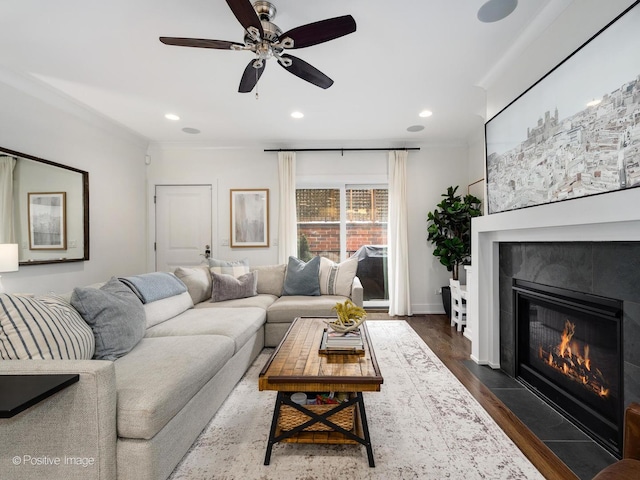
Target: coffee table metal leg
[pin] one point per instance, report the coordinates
(365, 429)
(272, 432)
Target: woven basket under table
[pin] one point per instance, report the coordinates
(291, 418)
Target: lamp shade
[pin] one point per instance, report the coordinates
(8, 257)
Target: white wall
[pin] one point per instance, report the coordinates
(431, 170)
(224, 169)
(37, 121)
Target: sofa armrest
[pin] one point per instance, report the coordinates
(632, 431)
(71, 434)
(357, 293)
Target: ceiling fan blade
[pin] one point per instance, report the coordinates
(322, 31)
(246, 15)
(307, 72)
(250, 77)
(199, 42)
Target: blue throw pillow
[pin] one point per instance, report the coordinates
(116, 316)
(302, 278)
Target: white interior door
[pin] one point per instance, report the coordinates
(183, 225)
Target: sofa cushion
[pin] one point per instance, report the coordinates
(161, 310)
(337, 278)
(235, 268)
(238, 324)
(44, 328)
(263, 301)
(270, 278)
(228, 287)
(198, 281)
(160, 375)
(285, 309)
(115, 314)
(302, 278)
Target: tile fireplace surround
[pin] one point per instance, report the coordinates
(589, 244)
(612, 217)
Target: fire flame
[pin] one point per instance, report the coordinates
(567, 335)
(566, 358)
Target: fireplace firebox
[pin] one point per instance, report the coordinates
(569, 352)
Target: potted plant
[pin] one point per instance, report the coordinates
(449, 229)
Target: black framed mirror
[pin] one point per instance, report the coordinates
(45, 209)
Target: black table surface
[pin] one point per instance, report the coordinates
(19, 392)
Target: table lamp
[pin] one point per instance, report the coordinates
(8, 260)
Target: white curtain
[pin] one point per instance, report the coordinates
(397, 235)
(287, 226)
(7, 165)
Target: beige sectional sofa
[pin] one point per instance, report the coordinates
(136, 417)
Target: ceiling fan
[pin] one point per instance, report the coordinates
(266, 40)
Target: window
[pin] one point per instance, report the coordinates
(339, 222)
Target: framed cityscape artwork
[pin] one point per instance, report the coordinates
(576, 132)
(250, 218)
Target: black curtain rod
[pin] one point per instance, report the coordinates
(336, 149)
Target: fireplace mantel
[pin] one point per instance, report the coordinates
(608, 217)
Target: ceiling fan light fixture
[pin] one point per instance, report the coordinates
(425, 113)
(172, 116)
(265, 40)
(495, 10)
(297, 114)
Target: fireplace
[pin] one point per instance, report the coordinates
(569, 352)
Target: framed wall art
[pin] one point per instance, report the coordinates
(47, 221)
(249, 218)
(574, 133)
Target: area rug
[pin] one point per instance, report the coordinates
(423, 424)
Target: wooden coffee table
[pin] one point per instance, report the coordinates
(297, 366)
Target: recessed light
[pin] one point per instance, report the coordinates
(425, 113)
(594, 102)
(297, 114)
(415, 128)
(495, 10)
(190, 130)
(172, 116)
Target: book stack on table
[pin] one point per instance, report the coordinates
(335, 342)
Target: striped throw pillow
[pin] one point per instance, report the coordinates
(336, 278)
(42, 328)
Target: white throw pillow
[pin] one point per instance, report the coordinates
(270, 278)
(42, 328)
(336, 278)
(198, 281)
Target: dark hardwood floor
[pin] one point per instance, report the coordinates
(453, 348)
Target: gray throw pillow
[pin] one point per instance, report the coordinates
(116, 316)
(228, 287)
(302, 278)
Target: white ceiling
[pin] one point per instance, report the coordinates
(405, 56)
